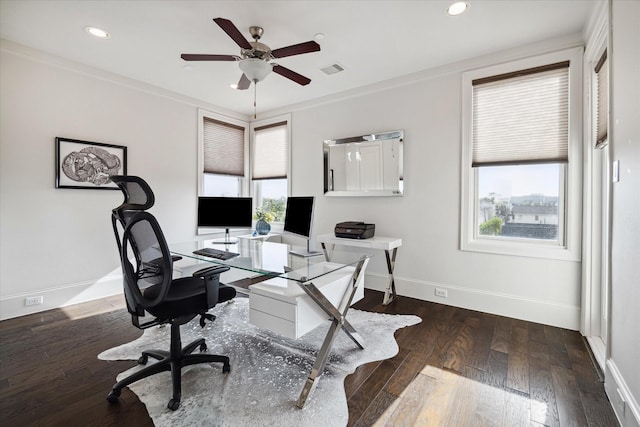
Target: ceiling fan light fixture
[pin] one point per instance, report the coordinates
(255, 69)
(457, 8)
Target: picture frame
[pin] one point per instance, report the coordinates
(88, 165)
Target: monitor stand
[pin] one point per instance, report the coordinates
(303, 253)
(227, 240)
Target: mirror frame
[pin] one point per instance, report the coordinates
(389, 135)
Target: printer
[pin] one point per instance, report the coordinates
(355, 230)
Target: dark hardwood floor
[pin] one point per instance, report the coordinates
(456, 368)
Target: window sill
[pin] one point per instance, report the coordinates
(523, 249)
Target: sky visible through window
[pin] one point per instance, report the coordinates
(274, 189)
(520, 180)
(221, 185)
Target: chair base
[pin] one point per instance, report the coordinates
(173, 361)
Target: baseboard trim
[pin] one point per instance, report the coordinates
(598, 351)
(594, 359)
(62, 296)
(538, 311)
(532, 310)
(628, 412)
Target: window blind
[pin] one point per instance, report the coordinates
(270, 152)
(521, 117)
(223, 147)
(602, 100)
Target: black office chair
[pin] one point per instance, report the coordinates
(149, 287)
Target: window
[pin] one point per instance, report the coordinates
(521, 157)
(270, 165)
(240, 159)
(223, 155)
(520, 201)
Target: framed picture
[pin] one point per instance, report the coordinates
(84, 164)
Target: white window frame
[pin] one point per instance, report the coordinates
(259, 124)
(570, 248)
(244, 182)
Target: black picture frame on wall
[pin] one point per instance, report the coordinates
(88, 165)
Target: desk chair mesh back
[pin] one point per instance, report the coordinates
(150, 288)
(138, 197)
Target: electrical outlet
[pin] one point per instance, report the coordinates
(441, 292)
(33, 300)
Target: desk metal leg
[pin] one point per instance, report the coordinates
(390, 292)
(327, 252)
(319, 298)
(338, 322)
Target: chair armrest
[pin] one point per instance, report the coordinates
(211, 277)
(156, 263)
(153, 267)
(209, 272)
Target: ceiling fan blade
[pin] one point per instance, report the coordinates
(233, 32)
(198, 57)
(291, 75)
(296, 49)
(244, 82)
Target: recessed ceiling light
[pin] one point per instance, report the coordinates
(233, 85)
(457, 8)
(319, 36)
(97, 32)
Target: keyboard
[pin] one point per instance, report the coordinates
(216, 253)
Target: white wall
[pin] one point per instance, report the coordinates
(58, 243)
(41, 100)
(427, 216)
(622, 377)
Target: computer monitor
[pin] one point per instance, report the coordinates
(225, 212)
(298, 220)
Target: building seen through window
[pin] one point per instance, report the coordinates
(519, 201)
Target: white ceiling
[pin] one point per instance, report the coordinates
(373, 40)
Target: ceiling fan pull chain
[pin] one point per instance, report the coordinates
(255, 92)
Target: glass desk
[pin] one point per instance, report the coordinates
(266, 260)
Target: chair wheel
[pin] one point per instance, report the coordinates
(143, 359)
(226, 368)
(173, 404)
(113, 396)
(203, 347)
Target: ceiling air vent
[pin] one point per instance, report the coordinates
(332, 69)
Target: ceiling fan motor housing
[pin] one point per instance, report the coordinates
(258, 51)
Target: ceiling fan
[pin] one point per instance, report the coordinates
(255, 57)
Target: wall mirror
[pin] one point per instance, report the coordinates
(365, 165)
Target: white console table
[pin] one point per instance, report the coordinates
(389, 245)
(281, 306)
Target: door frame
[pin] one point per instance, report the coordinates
(596, 250)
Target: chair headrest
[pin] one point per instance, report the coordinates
(138, 195)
